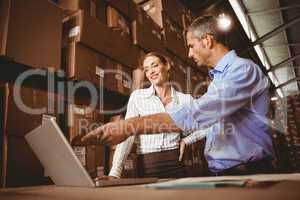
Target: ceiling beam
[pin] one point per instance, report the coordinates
(284, 63)
(276, 30)
(281, 45)
(288, 82)
(267, 11)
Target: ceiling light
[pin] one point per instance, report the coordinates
(224, 22)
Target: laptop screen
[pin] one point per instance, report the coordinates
(56, 155)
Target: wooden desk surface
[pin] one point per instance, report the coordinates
(282, 191)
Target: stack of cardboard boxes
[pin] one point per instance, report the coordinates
(30, 32)
(285, 132)
(19, 165)
(292, 134)
(82, 119)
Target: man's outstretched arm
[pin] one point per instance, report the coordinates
(117, 132)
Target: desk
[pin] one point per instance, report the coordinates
(287, 190)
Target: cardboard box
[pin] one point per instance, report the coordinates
(30, 32)
(122, 6)
(118, 78)
(188, 161)
(71, 6)
(154, 10)
(116, 21)
(82, 119)
(23, 167)
(174, 9)
(101, 10)
(32, 99)
(146, 33)
(174, 38)
(19, 165)
(130, 167)
(97, 36)
(84, 64)
(200, 166)
(91, 157)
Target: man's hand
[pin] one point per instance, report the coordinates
(111, 133)
(182, 147)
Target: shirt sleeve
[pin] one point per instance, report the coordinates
(124, 148)
(224, 97)
(196, 136)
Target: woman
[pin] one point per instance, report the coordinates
(158, 153)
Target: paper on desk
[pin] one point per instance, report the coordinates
(213, 182)
(197, 185)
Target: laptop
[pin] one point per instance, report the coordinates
(60, 162)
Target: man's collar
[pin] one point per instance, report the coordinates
(225, 62)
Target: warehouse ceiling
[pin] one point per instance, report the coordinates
(275, 23)
(272, 28)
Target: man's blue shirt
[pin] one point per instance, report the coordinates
(234, 110)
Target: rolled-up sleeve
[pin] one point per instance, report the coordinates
(223, 98)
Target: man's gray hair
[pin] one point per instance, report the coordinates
(206, 25)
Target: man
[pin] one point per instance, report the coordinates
(233, 111)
